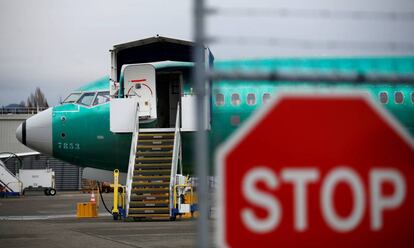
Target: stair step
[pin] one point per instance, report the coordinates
(150, 190)
(152, 172)
(155, 159)
(149, 204)
(154, 147)
(150, 184)
(154, 153)
(155, 181)
(156, 136)
(150, 178)
(152, 216)
(156, 170)
(158, 141)
(152, 166)
(162, 210)
(149, 197)
(155, 142)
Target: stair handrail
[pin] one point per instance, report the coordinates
(132, 157)
(20, 186)
(8, 171)
(12, 174)
(5, 185)
(176, 156)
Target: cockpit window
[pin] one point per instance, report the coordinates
(101, 98)
(86, 98)
(72, 98)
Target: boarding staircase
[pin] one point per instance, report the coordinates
(152, 170)
(10, 185)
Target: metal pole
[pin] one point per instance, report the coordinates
(200, 161)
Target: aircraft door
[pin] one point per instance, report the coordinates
(140, 84)
(175, 94)
(188, 107)
(188, 100)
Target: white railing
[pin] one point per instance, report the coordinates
(10, 181)
(176, 156)
(132, 156)
(21, 110)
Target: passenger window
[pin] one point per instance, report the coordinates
(412, 97)
(383, 97)
(266, 98)
(72, 98)
(101, 98)
(251, 99)
(235, 99)
(219, 99)
(399, 97)
(86, 98)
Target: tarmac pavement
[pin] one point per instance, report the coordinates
(36, 220)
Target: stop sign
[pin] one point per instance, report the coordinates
(312, 170)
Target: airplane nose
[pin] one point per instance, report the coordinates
(36, 132)
(19, 132)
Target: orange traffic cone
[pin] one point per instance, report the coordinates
(93, 197)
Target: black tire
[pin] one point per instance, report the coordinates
(47, 191)
(116, 216)
(52, 192)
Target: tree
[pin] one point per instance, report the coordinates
(37, 99)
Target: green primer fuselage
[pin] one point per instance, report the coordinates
(88, 142)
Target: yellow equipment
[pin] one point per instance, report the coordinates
(185, 200)
(118, 210)
(86, 210)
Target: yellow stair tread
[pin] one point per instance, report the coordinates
(152, 171)
(140, 198)
(150, 177)
(154, 153)
(153, 158)
(151, 216)
(155, 140)
(148, 167)
(155, 134)
(154, 146)
(151, 189)
(152, 197)
(135, 184)
(153, 165)
(143, 209)
(138, 190)
(150, 202)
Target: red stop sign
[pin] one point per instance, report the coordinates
(313, 170)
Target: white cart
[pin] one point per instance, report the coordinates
(38, 179)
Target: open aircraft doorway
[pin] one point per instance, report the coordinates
(168, 96)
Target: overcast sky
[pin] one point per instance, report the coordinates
(61, 45)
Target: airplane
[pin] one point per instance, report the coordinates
(157, 73)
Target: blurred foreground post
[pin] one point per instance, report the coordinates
(201, 157)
